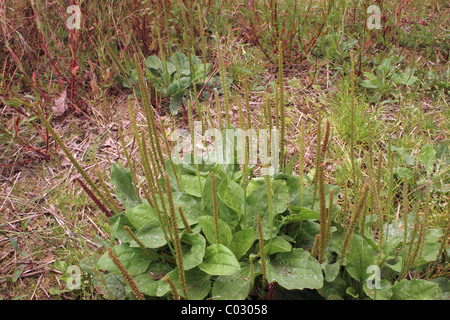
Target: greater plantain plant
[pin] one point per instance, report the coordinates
(176, 77)
(224, 243)
(384, 83)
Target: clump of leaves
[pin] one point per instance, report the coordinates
(227, 233)
(176, 78)
(221, 254)
(430, 164)
(385, 82)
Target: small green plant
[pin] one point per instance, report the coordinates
(176, 78)
(430, 164)
(386, 79)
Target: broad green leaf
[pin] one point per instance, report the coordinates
(253, 185)
(334, 290)
(444, 285)
(140, 215)
(257, 204)
(371, 82)
(335, 242)
(280, 195)
(427, 156)
(416, 289)
(191, 205)
(219, 260)
(192, 184)
(135, 260)
(292, 183)
(407, 78)
(117, 223)
(278, 244)
(242, 242)
(170, 70)
(173, 88)
(230, 216)
(302, 215)
(441, 151)
(233, 287)
(14, 243)
(208, 228)
(60, 265)
(154, 62)
(431, 245)
(307, 233)
(123, 186)
(193, 254)
(201, 71)
(395, 233)
(384, 292)
(198, 284)
(180, 61)
(146, 284)
(231, 194)
(397, 266)
(295, 270)
(178, 86)
(151, 234)
(112, 286)
(176, 102)
(17, 273)
(403, 173)
(359, 259)
(331, 270)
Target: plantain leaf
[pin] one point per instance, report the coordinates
(295, 270)
(359, 259)
(230, 216)
(208, 228)
(219, 260)
(151, 234)
(233, 287)
(242, 242)
(135, 260)
(416, 289)
(231, 194)
(278, 244)
(192, 185)
(140, 215)
(123, 186)
(193, 254)
(197, 282)
(384, 292)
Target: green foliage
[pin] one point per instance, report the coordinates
(430, 164)
(176, 78)
(222, 260)
(387, 79)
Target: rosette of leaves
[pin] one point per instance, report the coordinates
(385, 82)
(176, 78)
(227, 254)
(221, 256)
